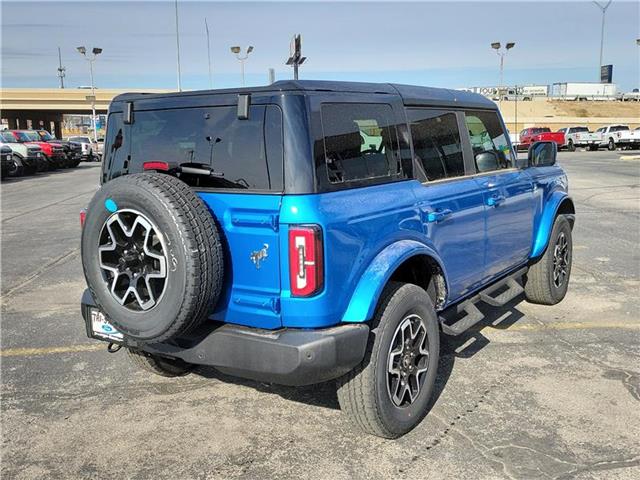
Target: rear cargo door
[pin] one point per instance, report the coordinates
(243, 155)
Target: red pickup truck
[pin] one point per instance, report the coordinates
(539, 134)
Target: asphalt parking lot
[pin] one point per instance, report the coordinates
(534, 392)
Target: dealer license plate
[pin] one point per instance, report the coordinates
(101, 328)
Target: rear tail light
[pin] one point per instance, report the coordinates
(306, 269)
(163, 166)
(83, 216)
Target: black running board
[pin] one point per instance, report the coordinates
(471, 313)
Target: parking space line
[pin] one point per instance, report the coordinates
(32, 352)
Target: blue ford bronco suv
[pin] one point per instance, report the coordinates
(310, 231)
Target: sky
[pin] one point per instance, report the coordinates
(441, 44)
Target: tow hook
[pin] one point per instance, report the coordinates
(113, 347)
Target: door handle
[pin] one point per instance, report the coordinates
(495, 200)
(438, 215)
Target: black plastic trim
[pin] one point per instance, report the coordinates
(287, 356)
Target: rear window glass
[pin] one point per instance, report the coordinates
(579, 130)
(360, 142)
(242, 154)
(436, 143)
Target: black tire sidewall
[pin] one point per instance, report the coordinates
(144, 325)
(413, 300)
(570, 146)
(561, 225)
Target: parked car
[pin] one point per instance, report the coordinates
(25, 158)
(580, 137)
(529, 136)
(89, 148)
(7, 164)
(100, 146)
(257, 231)
(618, 136)
(52, 155)
(72, 150)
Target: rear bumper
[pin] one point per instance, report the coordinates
(286, 356)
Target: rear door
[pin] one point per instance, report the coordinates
(244, 193)
(507, 192)
(450, 201)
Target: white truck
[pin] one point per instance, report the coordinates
(580, 91)
(618, 136)
(580, 137)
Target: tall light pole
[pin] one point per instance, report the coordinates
(61, 69)
(178, 47)
(206, 27)
(501, 53)
(92, 58)
(242, 57)
(604, 12)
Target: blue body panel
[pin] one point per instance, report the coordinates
(369, 232)
(250, 296)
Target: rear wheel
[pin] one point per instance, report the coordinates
(570, 146)
(164, 367)
(548, 279)
(388, 394)
(611, 145)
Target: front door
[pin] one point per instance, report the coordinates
(507, 192)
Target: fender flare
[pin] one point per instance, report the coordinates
(367, 293)
(558, 202)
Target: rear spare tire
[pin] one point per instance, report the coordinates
(152, 256)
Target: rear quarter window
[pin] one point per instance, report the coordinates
(359, 144)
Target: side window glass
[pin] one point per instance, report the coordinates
(436, 143)
(489, 142)
(360, 142)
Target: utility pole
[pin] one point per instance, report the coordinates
(272, 76)
(295, 54)
(604, 12)
(61, 69)
(206, 26)
(178, 46)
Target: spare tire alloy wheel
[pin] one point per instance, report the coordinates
(133, 260)
(152, 257)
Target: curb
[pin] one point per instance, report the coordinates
(630, 157)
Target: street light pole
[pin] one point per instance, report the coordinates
(241, 58)
(95, 51)
(604, 12)
(178, 47)
(206, 26)
(501, 53)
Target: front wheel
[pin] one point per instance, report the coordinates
(16, 168)
(388, 394)
(548, 279)
(164, 367)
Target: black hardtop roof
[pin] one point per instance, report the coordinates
(410, 94)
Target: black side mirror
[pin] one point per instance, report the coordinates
(542, 154)
(486, 161)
